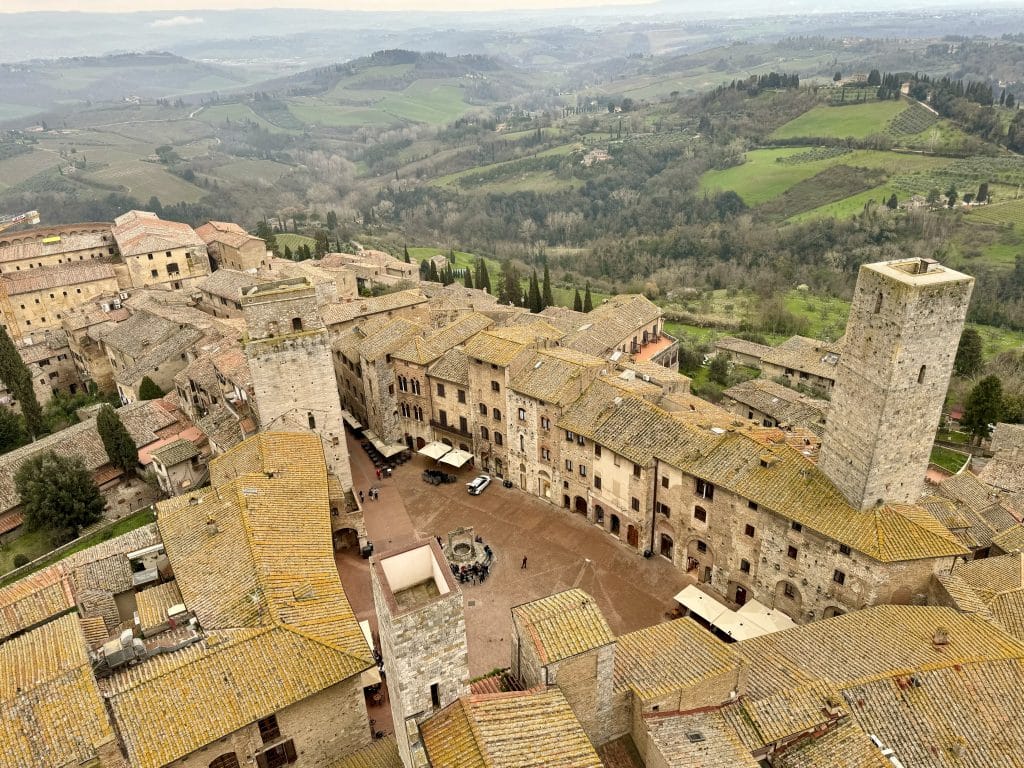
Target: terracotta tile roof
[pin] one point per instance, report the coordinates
(508, 730)
(98, 241)
(58, 277)
(869, 644)
(785, 405)
(800, 353)
(563, 625)
(152, 604)
(742, 346)
(612, 323)
(382, 753)
(664, 658)
(500, 346)
(171, 348)
(703, 739)
(453, 366)
(427, 349)
(393, 336)
(33, 600)
(845, 745)
(992, 575)
(556, 375)
(278, 625)
(793, 711)
(221, 427)
(112, 574)
(176, 452)
(54, 343)
(229, 283)
(139, 232)
(963, 715)
(1010, 540)
(965, 488)
(333, 314)
(225, 232)
(1007, 442)
(139, 333)
(51, 712)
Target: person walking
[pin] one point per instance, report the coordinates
(523, 566)
(360, 497)
(378, 473)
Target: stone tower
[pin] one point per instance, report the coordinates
(289, 354)
(422, 628)
(901, 339)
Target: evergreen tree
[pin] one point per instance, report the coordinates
(405, 254)
(321, 243)
(545, 296)
(424, 270)
(287, 252)
(265, 233)
(534, 301)
(577, 302)
(510, 290)
(588, 302)
(968, 354)
(306, 252)
(718, 370)
(982, 195)
(432, 275)
(1011, 102)
(16, 377)
(148, 389)
(483, 280)
(984, 407)
(117, 440)
(12, 431)
(467, 277)
(332, 220)
(58, 494)
(892, 202)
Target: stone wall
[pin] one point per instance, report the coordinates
(183, 266)
(587, 682)
(415, 424)
(324, 727)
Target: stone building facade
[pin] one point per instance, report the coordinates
(38, 300)
(905, 324)
(289, 355)
(161, 253)
(55, 246)
(420, 615)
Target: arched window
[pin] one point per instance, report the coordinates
(920, 374)
(227, 760)
(878, 303)
(522, 443)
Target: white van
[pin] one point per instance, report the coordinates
(476, 487)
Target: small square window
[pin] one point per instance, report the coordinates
(702, 547)
(791, 552)
(749, 530)
(635, 504)
(788, 591)
(844, 550)
(839, 577)
(745, 566)
(597, 482)
(796, 526)
(636, 470)
(752, 505)
(495, 387)
(701, 514)
(664, 482)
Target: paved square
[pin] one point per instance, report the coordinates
(564, 550)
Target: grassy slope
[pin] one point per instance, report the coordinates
(858, 120)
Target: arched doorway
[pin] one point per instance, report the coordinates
(788, 598)
(615, 525)
(420, 442)
(632, 536)
(737, 593)
(666, 546)
(580, 506)
(544, 485)
(566, 501)
(700, 560)
(522, 476)
(832, 611)
(345, 538)
(227, 760)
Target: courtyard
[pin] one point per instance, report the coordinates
(563, 551)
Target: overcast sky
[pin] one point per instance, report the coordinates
(123, 6)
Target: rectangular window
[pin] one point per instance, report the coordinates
(442, 416)
(702, 547)
(791, 552)
(635, 504)
(580, 440)
(172, 269)
(745, 566)
(749, 531)
(483, 409)
(269, 729)
(462, 395)
(796, 526)
(705, 489)
(153, 273)
(545, 422)
(440, 390)
(636, 470)
(463, 425)
(497, 438)
(701, 514)
(545, 454)
(664, 482)
(752, 505)
(583, 470)
(484, 434)
(839, 577)
(597, 451)
(495, 387)
(435, 695)
(569, 436)
(568, 465)
(597, 482)
(844, 550)
(522, 414)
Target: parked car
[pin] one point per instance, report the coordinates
(477, 485)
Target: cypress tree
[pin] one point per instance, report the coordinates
(588, 303)
(432, 274)
(577, 302)
(287, 253)
(467, 278)
(424, 270)
(148, 389)
(483, 281)
(117, 441)
(535, 300)
(405, 254)
(546, 293)
(15, 376)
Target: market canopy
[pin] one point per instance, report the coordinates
(387, 450)
(456, 458)
(434, 450)
(351, 420)
(700, 604)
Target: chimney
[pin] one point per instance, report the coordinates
(940, 638)
(211, 526)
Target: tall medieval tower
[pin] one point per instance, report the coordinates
(901, 340)
(422, 625)
(289, 354)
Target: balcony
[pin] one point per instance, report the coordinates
(448, 427)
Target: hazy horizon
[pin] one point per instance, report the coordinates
(369, 6)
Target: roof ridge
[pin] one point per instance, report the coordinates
(320, 641)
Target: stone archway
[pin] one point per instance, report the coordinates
(666, 546)
(788, 598)
(579, 506)
(700, 560)
(420, 442)
(345, 538)
(544, 485)
(566, 501)
(832, 611)
(615, 525)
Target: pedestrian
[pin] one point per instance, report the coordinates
(360, 497)
(376, 494)
(378, 473)
(523, 566)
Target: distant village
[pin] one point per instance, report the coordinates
(845, 611)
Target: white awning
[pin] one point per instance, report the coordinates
(434, 450)
(456, 458)
(351, 420)
(369, 676)
(737, 627)
(771, 619)
(700, 604)
(387, 450)
(370, 435)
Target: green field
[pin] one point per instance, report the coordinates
(293, 241)
(426, 101)
(858, 121)
(237, 113)
(494, 174)
(143, 179)
(15, 170)
(948, 459)
(767, 173)
(250, 171)
(313, 112)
